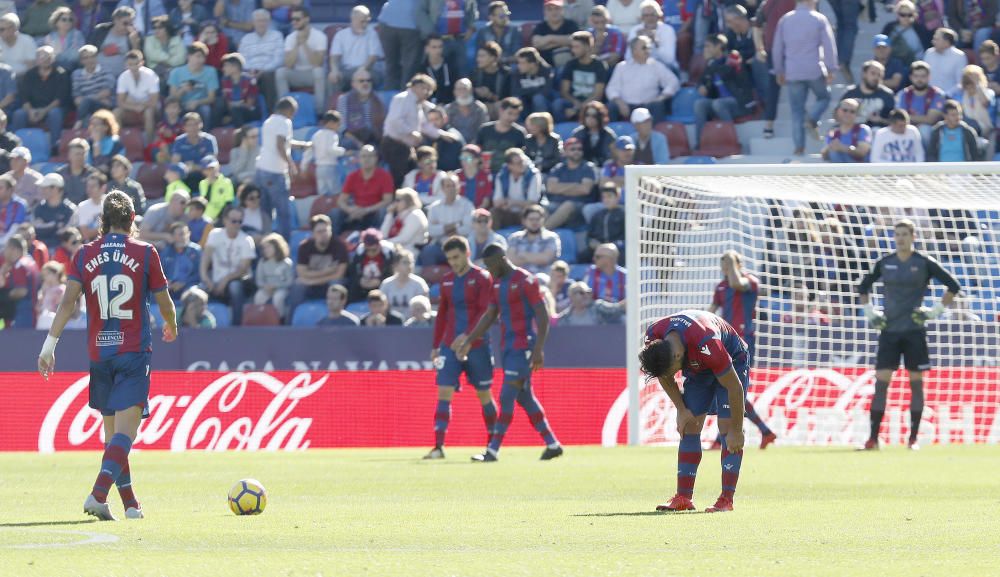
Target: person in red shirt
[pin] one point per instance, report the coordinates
(69, 242)
(365, 195)
(36, 248)
(18, 285)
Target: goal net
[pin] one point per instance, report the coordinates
(809, 233)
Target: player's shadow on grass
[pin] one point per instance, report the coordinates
(639, 514)
(49, 523)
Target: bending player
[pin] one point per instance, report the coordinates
(905, 275)
(716, 367)
(518, 303)
(119, 273)
(466, 293)
(735, 300)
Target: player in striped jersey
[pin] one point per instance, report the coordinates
(517, 301)
(466, 293)
(735, 301)
(118, 274)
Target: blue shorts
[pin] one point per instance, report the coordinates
(478, 369)
(704, 394)
(120, 382)
(516, 365)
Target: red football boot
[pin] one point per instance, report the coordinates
(767, 440)
(678, 503)
(723, 505)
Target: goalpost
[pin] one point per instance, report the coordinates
(809, 232)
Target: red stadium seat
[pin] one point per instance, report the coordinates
(150, 176)
(331, 31)
(719, 139)
(527, 31)
(323, 205)
(696, 67)
(132, 141)
(64, 140)
(685, 46)
(677, 138)
(260, 316)
(304, 184)
(434, 274)
(224, 137)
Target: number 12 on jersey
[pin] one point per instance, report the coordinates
(102, 288)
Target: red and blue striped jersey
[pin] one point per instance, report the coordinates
(607, 287)
(712, 344)
(464, 299)
(118, 274)
(515, 295)
(739, 309)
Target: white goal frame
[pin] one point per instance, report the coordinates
(634, 175)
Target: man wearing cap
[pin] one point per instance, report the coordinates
(44, 94)
(570, 185)
(321, 261)
(483, 235)
(876, 99)
(174, 176)
(155, 226)
(552, 36)
(54, 213)
(895, 76)
(26, 178)
(613, 171)
(651, 147)
(215, 187)
(641, 82)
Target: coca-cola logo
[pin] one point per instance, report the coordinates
(219, 417)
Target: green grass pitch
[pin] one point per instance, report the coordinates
(799, 512)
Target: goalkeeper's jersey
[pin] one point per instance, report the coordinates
(904, 286)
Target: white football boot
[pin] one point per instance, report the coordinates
(133, 513)
(100, 510)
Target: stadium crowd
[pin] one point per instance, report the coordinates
(299, 175)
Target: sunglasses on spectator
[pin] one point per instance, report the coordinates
(468, 157)
(905, 14)
(253, 197)
(851, 110)
(365, 80)
(234, 221)
(574, 149)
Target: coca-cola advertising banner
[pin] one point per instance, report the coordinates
(292, 411)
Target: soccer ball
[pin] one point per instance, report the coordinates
(248, 497)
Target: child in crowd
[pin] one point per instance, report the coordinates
(199, 224)
(326, 151)
(274, 273)
(175, 180)
(239, 92)
(168, 130)
(194, 312)
(50, 295)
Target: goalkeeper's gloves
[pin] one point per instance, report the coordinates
(924, 314)
(875, 318)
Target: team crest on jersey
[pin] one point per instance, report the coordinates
(704, 350)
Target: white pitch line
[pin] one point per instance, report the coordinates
(91, 538)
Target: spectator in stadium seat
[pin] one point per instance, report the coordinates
(406, 125)
(13, 208)
(483, 235)
(18, 284)
(641, 82)
(217, 44)
(25, 178)
(76, 171)
(54, 212)
(274, 273)
(973, 20)
(70, 241)
(552, 35)
(263, 49)
(8, 88)
(64, 38)
(896, 74)
(466, 113)
(44, 94)
(163, 48)
(121, 168)
(444, 72)
(569, 186)
(449, 142)
(517, 186)
(87, 218)
(500, 30)
(952, 140)
(876, 99)
(594, 134)
(607, 225)
(977, 99)
(661, 34)
(115, 39)
(187, 18)
(156, 223)
(405, 223)
(907, 36)
(989, 57)
(88, 14)
(609, 40)
(322, 260)
(305, 52)
(16, 50)
(421, 313)
(725, 85)
(36, 248)
(256, 221)
(532, 81)
(354, 48)
(145, 12)
(138, 91)
(425, 178)
(195, 84)
(174, 175)
(190, 147)
(238, 98)
(194, 313)
(558, 284)
(606, 277)
(243, 156)
(454, 21)
(8, 141)
(366, 193)
(474, 178)
(371, 263)
(215, 187)
(92, 86)
(535, 247)
(102, 130)
(898, 142)
(496, 137)
(585, 310)
(613, 171)
(403, 285)
(651, 147)
(36, 17)
(235, 17)
(946, 61)
(362, 112)
(379, 313)
(544, 147)
(584, 79)
(491, 80)
(923, 102)
(850, 140)
(225, 263)
(199, 224)
(448, 216)
(181, 260)
(578, 11)
(336, 300)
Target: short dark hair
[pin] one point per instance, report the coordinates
(511, 102)
(135, 55)
(529, 53)
(235, 58)
(317, 220)
(950, 105)
(493, 250)
(948, 34)
(655, 357)
(286, 103)
(377, 295)
(198, 47)
(583, 37)
(431, 38)
(719, 40)
(920, 65)
(495, 5)
(339, 289)
(492, 48)
(533, 209)
(897, 114)
(198, 202)
(329, 116)
(301, 10)
(176, 226)
(122, 160)
(100, 177)
(455, 243)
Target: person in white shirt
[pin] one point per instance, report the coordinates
(403, 285)
(898, 142)
(662, 34)
(945, 60)
(405, 223)
(225, 263)
(87, 217)
(305, 50)
(274, 164)
(326, 152)
(263, 49)
(625, 13)
(354, 47)
(517, 185)
(138, 93)
(451, 215)
(16, 50)
(641, 82)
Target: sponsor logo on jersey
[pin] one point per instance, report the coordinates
(110, 338)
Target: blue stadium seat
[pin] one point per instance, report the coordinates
(361, 309)
(565, 129)
(506, 232)
(223, 318)
(44, 168)
(294, 213)
(682, 105)
(308, 313)
(568, 239)
(386, 97)
(623, 129)
(435, 291)
(37, 141)
(293, 242)
(578, 271)
(306, 114)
